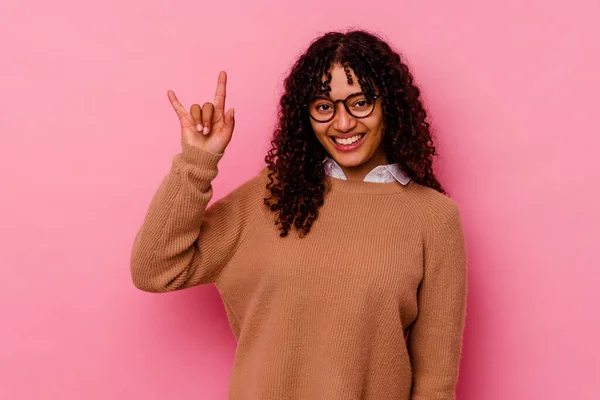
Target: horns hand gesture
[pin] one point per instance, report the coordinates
(208, 127)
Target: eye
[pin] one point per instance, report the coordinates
(360, 102)
(323, 107)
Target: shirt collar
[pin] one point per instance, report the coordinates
(381, 173)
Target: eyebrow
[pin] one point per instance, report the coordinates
(320, 96)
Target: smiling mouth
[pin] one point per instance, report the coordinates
(347, 141)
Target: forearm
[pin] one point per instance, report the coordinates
(165, 245)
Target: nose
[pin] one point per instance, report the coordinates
(343, 121)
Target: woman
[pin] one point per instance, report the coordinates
(339, 248)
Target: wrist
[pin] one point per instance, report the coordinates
(198, 156)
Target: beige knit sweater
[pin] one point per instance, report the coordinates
(325, 316)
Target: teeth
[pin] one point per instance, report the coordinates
(348, 141)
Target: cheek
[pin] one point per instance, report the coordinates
(375, 126)
(319, 130)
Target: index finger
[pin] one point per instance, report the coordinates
(179, 109)
(221, 91)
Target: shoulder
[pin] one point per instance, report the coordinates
(437, 209)
(250, 190)
(256, 185)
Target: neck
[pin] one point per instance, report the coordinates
(358, 173)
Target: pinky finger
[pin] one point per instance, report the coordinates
(230, 119)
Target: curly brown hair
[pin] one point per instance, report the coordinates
(295, 161)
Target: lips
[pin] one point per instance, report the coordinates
(348, 142)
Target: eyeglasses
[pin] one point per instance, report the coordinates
(322, 109)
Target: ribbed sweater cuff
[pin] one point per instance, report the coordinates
(200, 158)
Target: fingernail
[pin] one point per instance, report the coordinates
(199, 128)
(232, 112)
(206, 130)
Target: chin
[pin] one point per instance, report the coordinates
(349, 160)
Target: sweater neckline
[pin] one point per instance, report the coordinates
(363, 187)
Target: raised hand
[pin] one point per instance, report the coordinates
(210, 127)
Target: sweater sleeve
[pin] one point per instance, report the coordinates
(181, 242)
(435, 339)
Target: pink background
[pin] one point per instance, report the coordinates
(87, 134)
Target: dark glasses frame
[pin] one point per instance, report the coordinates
(375, 97)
